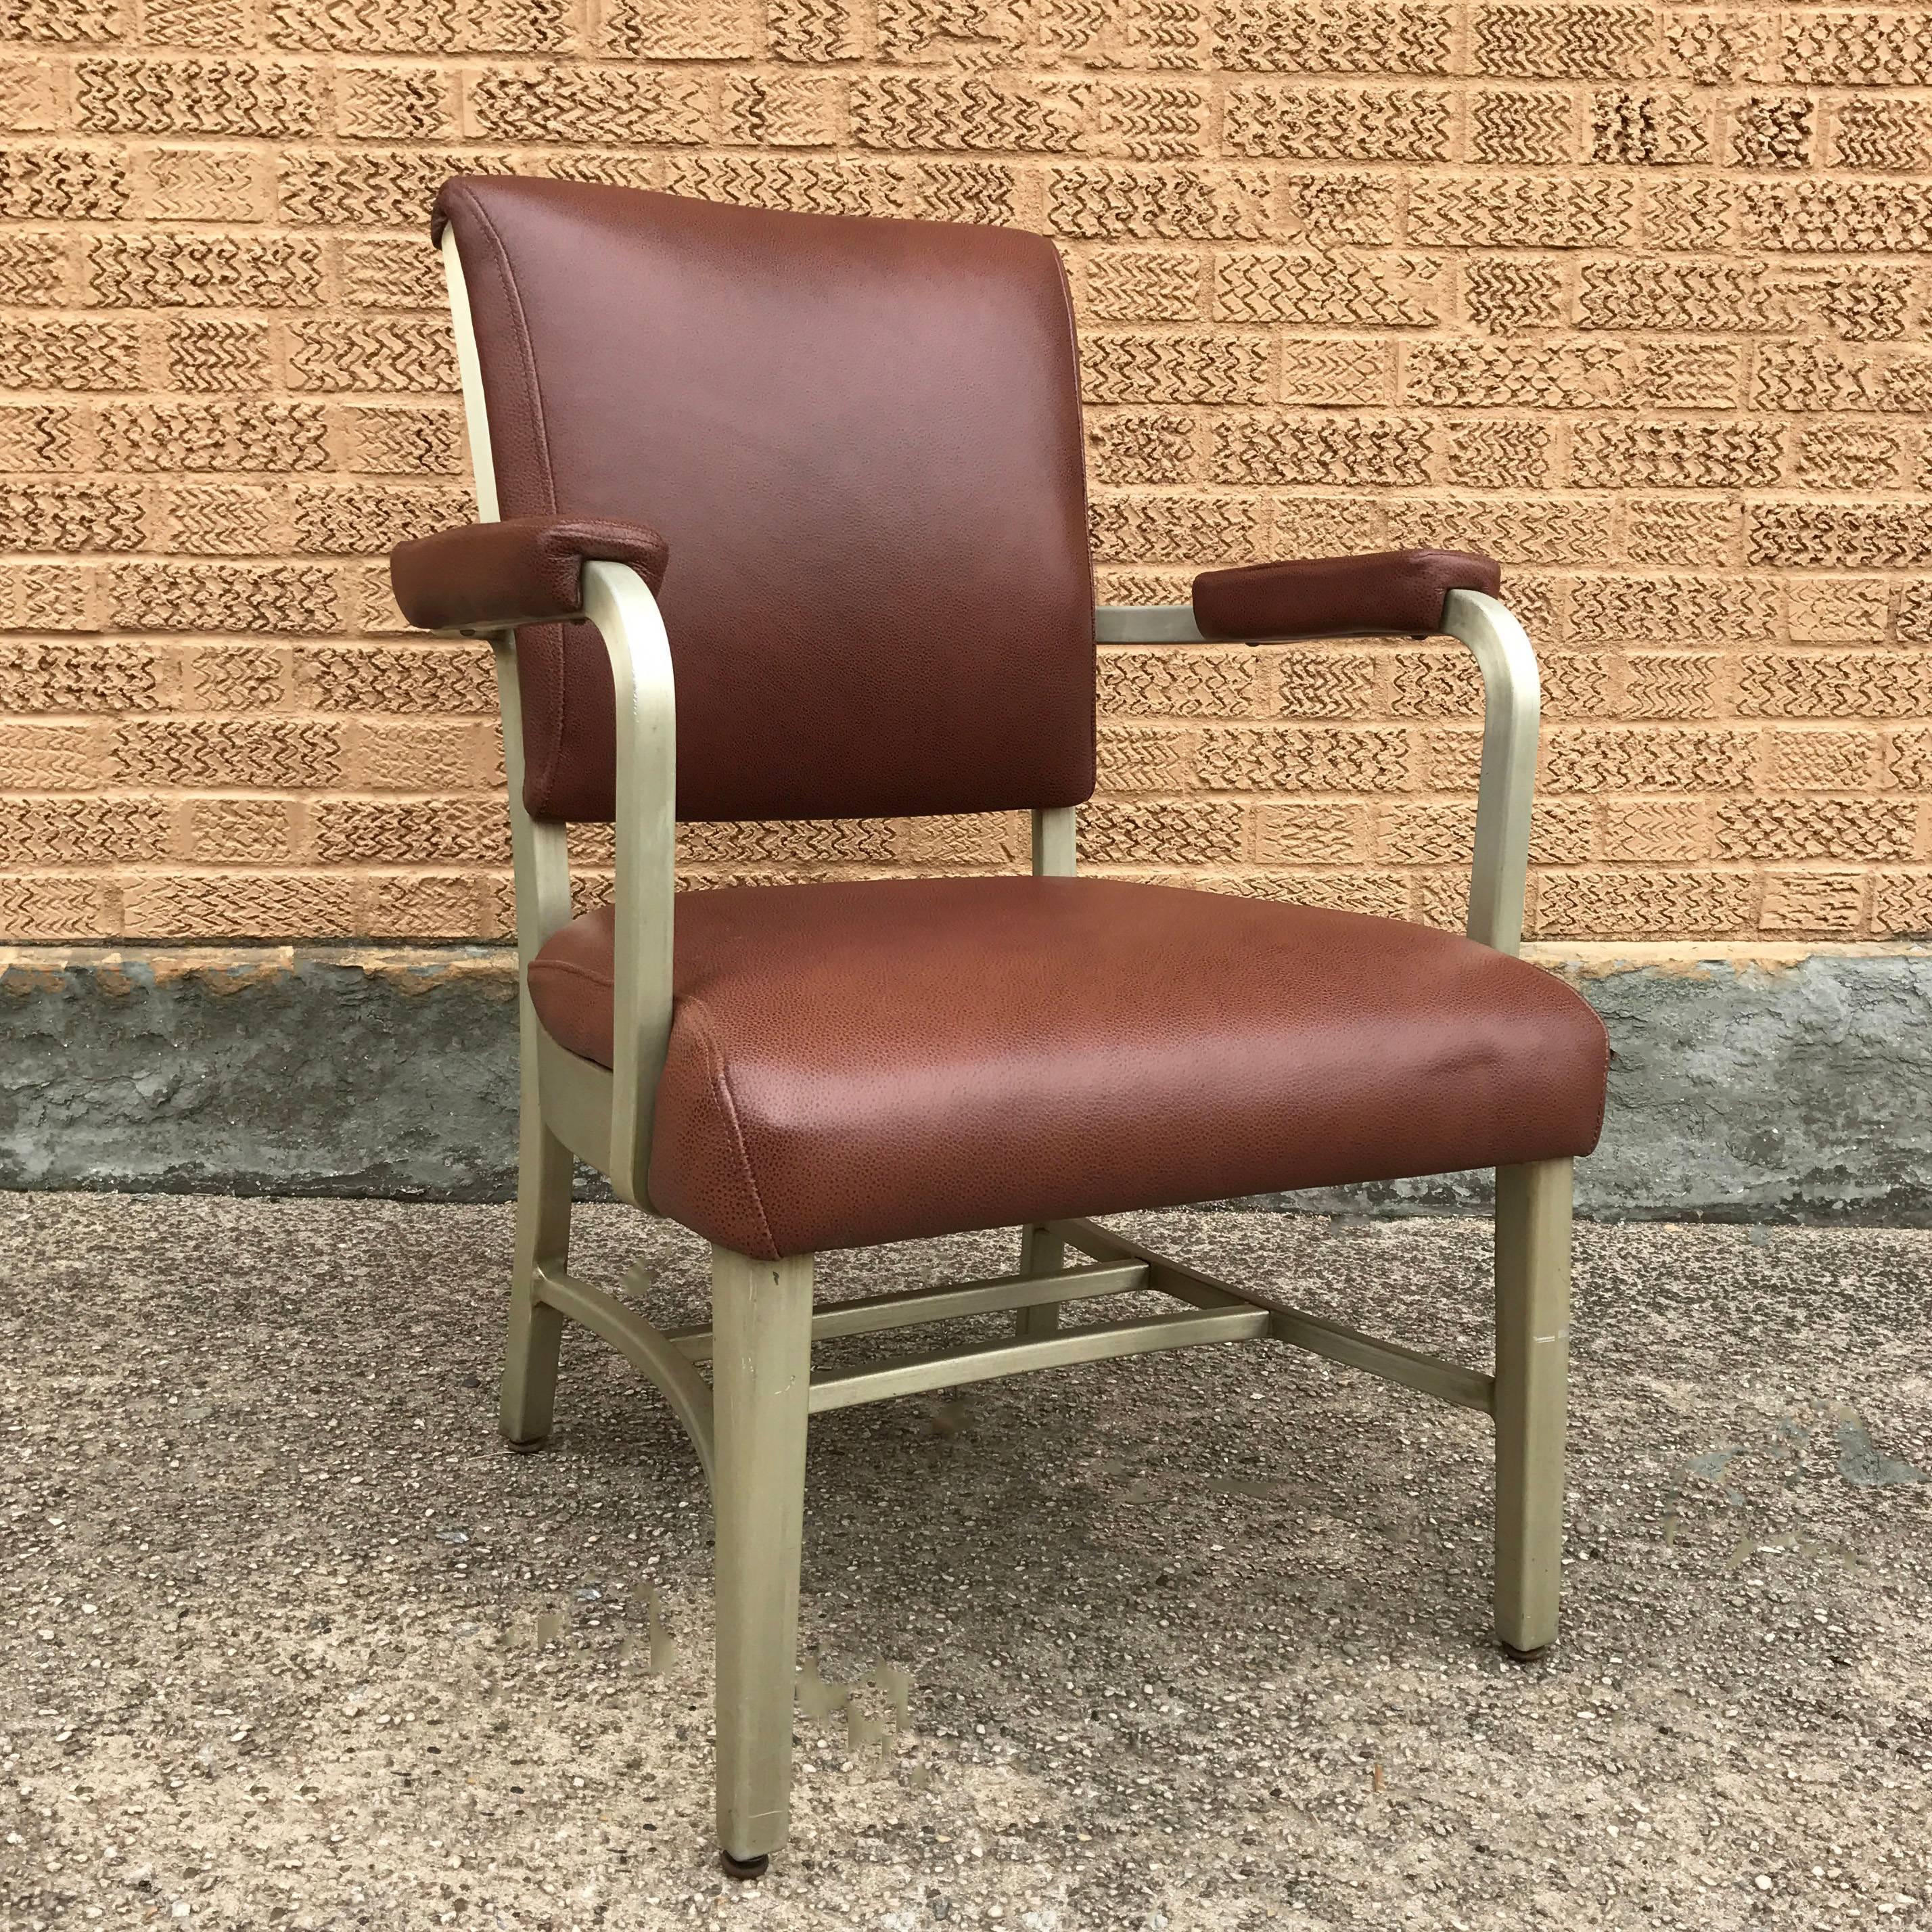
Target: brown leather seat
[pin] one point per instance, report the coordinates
(863, 1062)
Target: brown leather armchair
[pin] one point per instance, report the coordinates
(861, 441)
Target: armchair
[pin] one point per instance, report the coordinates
(862, 440)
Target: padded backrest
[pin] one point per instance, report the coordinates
(862, 439)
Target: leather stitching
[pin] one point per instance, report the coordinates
(721, 1087)
(513, 299)
(1080, 471)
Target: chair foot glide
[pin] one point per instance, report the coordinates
(744, 1869)
(1515, 1656)
(529, 1446)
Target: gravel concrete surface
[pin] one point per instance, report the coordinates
(1191, 1641)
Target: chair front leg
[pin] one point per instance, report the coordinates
(761, 1384)
(1532, 1372)
(536, 1338)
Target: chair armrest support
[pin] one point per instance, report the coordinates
(494, 576)
(1512, 712)
(620, 603)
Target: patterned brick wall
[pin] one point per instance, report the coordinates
(1631, 293)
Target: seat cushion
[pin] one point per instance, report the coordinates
(876, 1060)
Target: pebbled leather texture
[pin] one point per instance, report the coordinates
(858, 1062)
(862, 439)
(523, 570)
(1389, 593)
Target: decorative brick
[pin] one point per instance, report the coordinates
(1838, 536)
(1629, 758)
(1521, 211)
(1512, 127)
(679, 30)
(371, 519)
(1651, 831)
(71, 516)
(1130, 758)
(1685, 608)
(1676, 455)
(1324, 288)
(35, 270)
(1337, 124)
(269, 597)
(658, 107)
(229, 435)
(1352, 451)
(395, 104)
(176, 96)
(409, 832)
(1158, 203)
(1144, 285)
(229, 185)
(213, 353)
(283, 752)
(1201, 531)
(782, 110)
(238, 905)
(375, 188)
(1882, 136)
(1282, 758)
(87, 678)
(1818, 759)
(1565, 42)
(1192, 368)
(36, 756)
(1333, 37)
(1322, 371)
(1200, 831)
(1526, 531)
(1499, 452)
(1311, 831)
(376, 357)
(1813, 902)
(1729, 296)
(1684, 532)
(1505, 294)
(1340, 206)
(1901, 905)
(1141, 446)
(1648, 127)
(1771, 130)
(62, 184)
(1643, 904)
(1327, 683)
(81, 831)
(401, 679)
(1197, 683)
(1834, 684)
(204, 271)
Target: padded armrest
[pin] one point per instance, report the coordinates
(1392, 592)
(525, 570)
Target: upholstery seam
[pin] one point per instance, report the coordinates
(506, 275)
(1086, 508)
(571, 966)
(721, 1087)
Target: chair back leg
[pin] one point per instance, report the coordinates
(1532, 1373)
(1042, 1252)
(761, 1385)
(536, 1339)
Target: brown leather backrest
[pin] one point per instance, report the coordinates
(861, 439)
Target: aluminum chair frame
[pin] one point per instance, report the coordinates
(748, 1423)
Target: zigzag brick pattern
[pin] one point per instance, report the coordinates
(1633, 294)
